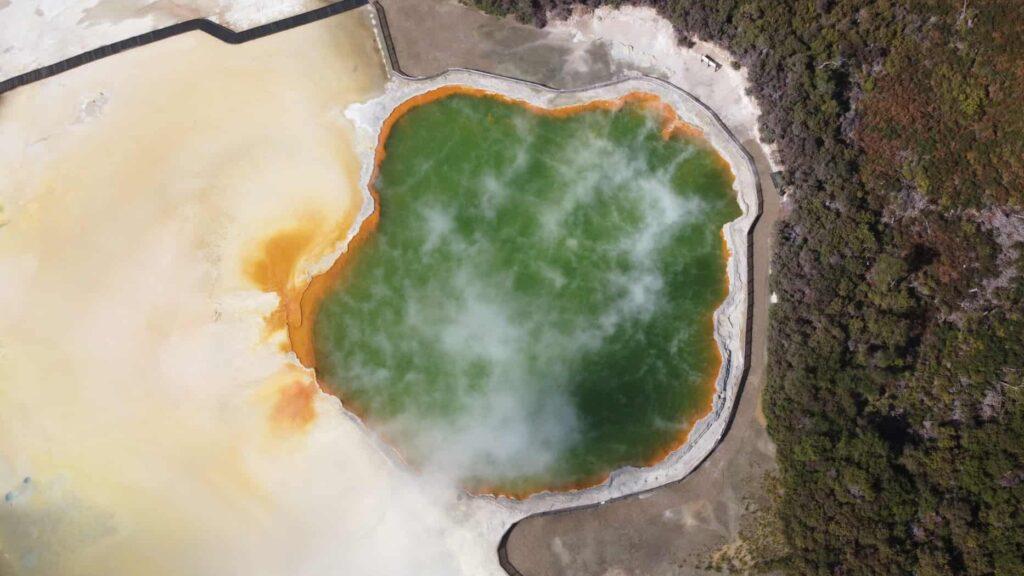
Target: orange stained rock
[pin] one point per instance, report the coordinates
(293, 409)
(300, 333)
(276, 265)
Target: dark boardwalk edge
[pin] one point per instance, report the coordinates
(212, 28)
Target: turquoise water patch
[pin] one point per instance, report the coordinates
(535, 307)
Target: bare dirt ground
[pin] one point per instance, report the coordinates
(679, 528)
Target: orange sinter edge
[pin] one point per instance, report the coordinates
(300, 333)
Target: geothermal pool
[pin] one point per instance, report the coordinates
(531, 306)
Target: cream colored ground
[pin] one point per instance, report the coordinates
(162, 430)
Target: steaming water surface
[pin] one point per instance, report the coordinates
(535, 308)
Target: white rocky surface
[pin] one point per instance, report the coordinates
(641, 39)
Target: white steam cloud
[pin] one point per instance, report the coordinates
(505, 408)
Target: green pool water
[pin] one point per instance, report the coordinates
(534, 309)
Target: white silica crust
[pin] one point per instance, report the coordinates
(495, 514)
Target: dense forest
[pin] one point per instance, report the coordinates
(896, 370)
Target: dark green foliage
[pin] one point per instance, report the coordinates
(522, 10)
(896, 372)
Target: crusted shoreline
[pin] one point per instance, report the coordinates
(301, 335)
(731, 317)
